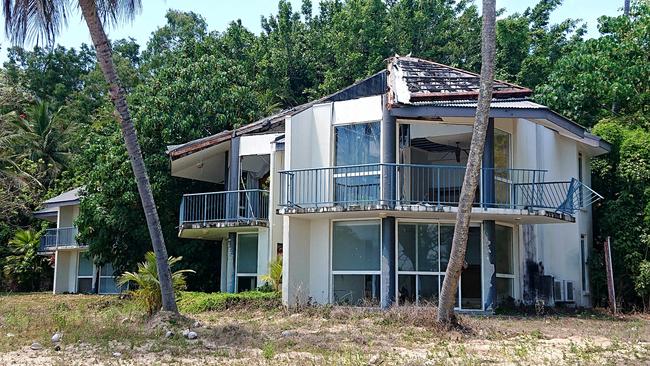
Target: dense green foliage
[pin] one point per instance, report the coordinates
(199, 302)
(22, 267)
(147, 283)
(189, 82)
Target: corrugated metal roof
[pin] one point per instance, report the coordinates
(513, 103)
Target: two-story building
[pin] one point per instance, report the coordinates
(74, 272)
(358, 192)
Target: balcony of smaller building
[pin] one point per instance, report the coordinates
(60, 238)
(212, 215)
(414, 190)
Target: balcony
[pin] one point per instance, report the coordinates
(61, 238)
(224, 209)
(434, 188)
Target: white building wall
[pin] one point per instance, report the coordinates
(319, 261)
(262, 254)
(296, 269)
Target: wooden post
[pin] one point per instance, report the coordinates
(610, 276)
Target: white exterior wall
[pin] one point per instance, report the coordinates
(557, 245)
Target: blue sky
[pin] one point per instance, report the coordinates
(219, 13)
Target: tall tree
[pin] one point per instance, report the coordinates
(42, 20)
(473, 170)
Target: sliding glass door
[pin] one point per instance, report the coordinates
(422, 256)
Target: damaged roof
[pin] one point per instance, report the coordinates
(409, 82)
(415, 80)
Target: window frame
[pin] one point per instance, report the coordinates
(584, 264)
(440, 274)
(110, 277)
(92, 275)
(333, 272)
(515, 255)
(246, 274)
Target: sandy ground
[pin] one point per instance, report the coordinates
(317, 336)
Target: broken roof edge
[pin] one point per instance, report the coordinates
(398, 87)
(372, 85)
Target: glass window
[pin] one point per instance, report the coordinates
(356, 246)
(503, 180)
(584, 258)
(406, 251)
(505, 263)
(501, 150)
(85, 266)
(423, 255)
(247, 253)
(107, 285)
(246, 283)
(446, 238)
(428, 289)
(357, 143)
(406, 289)
(362, 289)
(356, 262)
(84, 285)
(107, 270)
(504, 289)
(504, 252)
(428, 247)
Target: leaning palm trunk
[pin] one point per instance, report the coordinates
(472, 172)
(118, 96)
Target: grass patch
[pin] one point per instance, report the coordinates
(199, 302)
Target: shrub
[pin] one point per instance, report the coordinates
(147, 291)
(198, 302)
(274, 278)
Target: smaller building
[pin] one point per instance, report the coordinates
(74, 271)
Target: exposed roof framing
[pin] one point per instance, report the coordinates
(414, 79)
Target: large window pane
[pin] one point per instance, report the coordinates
(504, 250)
(406, 287)
(470, 280)
(356, 246)
(107, 270)
(428, 247)
(406, 250)
(246, 283)
(85, 265)
(501, 152)
(356, 289)
(107, 285)
(247, 253)
(357, 144)
(428, 290)
(84, 285)
(504, 289)
(446, 237)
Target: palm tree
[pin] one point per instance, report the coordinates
(41, 20)
(38, 135)
(147, 283)
(472, 172)
(23, 265)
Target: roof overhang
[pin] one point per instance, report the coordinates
(527, 110)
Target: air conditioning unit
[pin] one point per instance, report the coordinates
(564, 291)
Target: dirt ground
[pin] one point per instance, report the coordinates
(103, 330)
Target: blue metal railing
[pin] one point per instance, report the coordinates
(417, 184)
(227, 206)
(65, 237)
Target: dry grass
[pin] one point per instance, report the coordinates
(94, 327)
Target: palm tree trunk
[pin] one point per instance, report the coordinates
(118, 96)
(472, 172)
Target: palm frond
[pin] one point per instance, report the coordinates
(37, 21)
